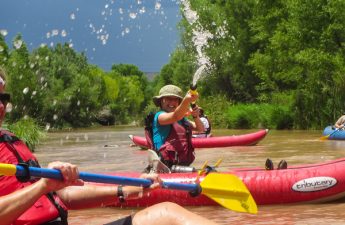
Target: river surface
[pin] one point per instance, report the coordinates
(86, 148)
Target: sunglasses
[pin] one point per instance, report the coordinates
(5, 98)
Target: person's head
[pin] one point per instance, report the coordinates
(201, 111)
(169, 97)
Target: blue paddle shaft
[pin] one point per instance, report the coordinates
(102, 178)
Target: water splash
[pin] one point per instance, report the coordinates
(200, 40)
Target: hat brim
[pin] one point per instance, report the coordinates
(157, 99)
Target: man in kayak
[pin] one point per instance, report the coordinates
(24, 200)
(207, 125)
(171, 132)
(340, 122)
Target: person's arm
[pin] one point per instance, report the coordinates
(197, 125)
(94, 196)
(180, 111)
(16, 203)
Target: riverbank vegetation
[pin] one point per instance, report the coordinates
(278, 65)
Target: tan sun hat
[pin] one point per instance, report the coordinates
(168, 90)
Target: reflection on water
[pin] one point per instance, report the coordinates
(86, 149)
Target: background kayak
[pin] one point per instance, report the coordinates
(333, 134)
(215, 142)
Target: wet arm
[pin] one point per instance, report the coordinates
(16, 203)
(179, 113)
(78, 197)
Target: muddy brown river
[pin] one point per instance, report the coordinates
(86, 148)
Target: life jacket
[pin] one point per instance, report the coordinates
(48, 209)
(177, 149)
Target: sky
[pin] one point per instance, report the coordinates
(139, 32)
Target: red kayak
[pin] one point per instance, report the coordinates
(215, 142)
(313, 183)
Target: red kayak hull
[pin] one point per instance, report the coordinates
(312, 183)
(215, 142)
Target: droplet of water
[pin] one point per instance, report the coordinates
(78, 103)
(47, 126)
(72, 16)
(3, 32)
(133, 15)
(142, 10)
(26, 90)
(18, 43)
(55, 117)
(1, 48)
(9, 107)
(55, 32)
(63, 33)
(158, 6)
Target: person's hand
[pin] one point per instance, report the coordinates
(195, 111)
(69, 173)
(191, 97)
(156, 180)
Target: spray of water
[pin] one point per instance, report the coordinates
(200, 41)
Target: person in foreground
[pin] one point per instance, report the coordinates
(207, 125)
(171, 130)
(45, 201)
(340, 122)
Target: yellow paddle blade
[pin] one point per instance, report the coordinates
(8, 169)
(229, 191)
(325, 137)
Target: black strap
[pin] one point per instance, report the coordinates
(120, 194)
(62, 212)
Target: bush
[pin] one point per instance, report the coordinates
(28, 131)
(246, 116)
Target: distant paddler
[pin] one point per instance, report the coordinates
(169, 129)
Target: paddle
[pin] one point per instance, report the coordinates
(226, 189)
(327, 136)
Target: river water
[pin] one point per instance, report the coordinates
(86, 148)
